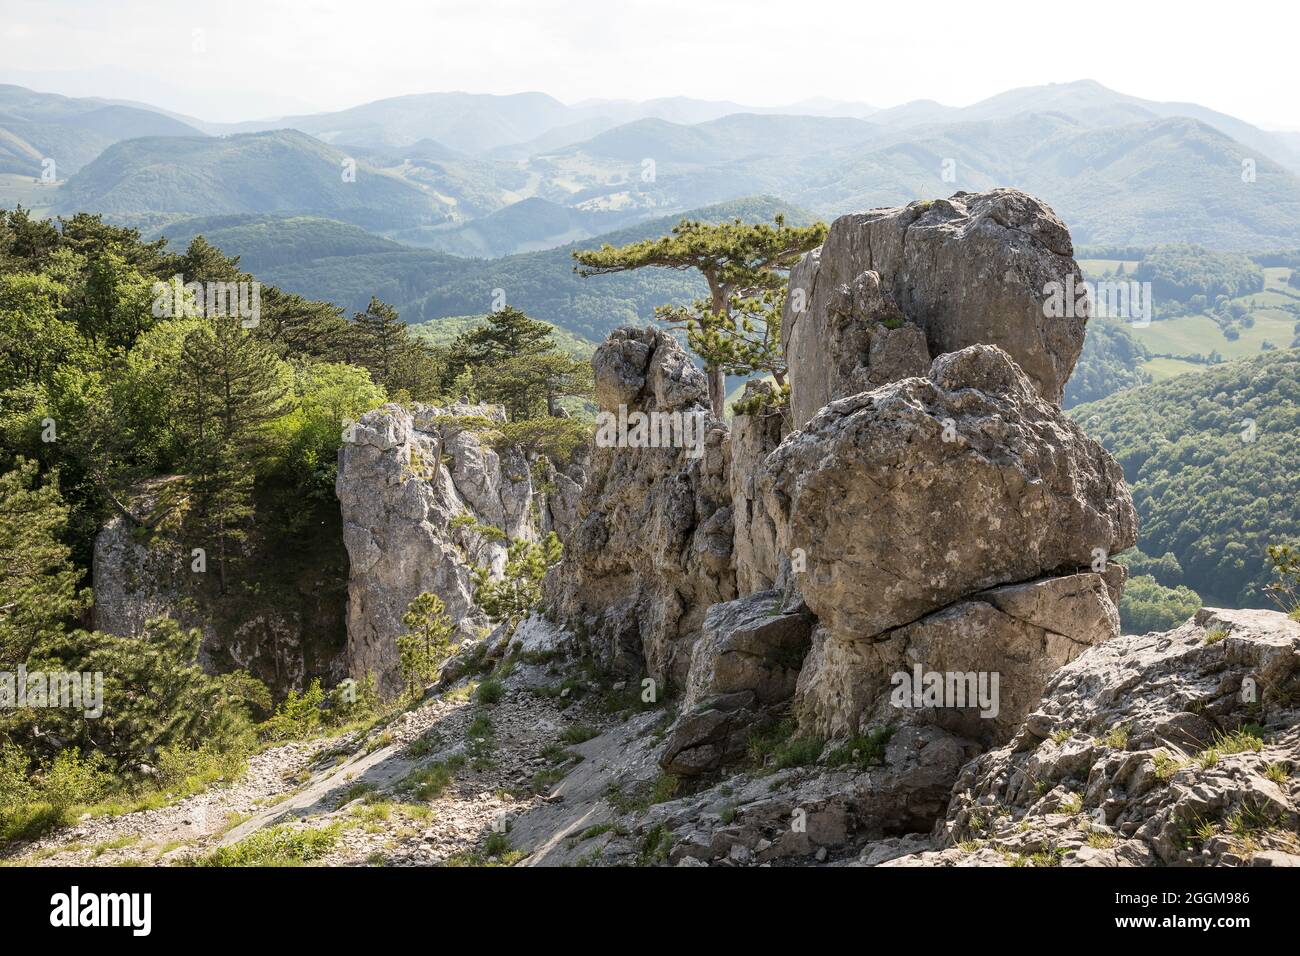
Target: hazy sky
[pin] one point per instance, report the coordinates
(256, 58)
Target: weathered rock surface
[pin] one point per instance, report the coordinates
(419, 492)
(746, 661)
(652, 548)
(754, 437)
(748, 645)
(970, 269)
(1018, 635)
(919, 493)
(1175, 748)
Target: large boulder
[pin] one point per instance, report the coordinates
(974, 268)
(746, 661)
(651, 549)
(425, 503)
(907, 498)
(996, 649)
(748, 644)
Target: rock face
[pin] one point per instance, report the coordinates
(286, 633)
(651, 550)
(907, 498)
(1114, 767)
(974, 268)
(753, 437)
(424, 501)
(745, 663)
(1008, 640)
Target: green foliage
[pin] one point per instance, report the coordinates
(1147, 605)
(33, 803)
(737, 328)
(511, 598)
(1110, 363)
(1285, 562)
(233, 387)
(762, 401)
(1182, 271)
(406, 366)
(298, 716)
(37, 580)
(489, 692)
(513, 360)
(155, 694)
(281, 845)
(1213, 462)
(862, 750)
(555, 439)
(426, 643)
(778, 748)
(328, 396)
(1165, 569)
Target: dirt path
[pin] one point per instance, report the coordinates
(427, 787)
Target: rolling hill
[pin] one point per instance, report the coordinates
(283, 171)
(72, 132)
(1214, 466)
(349, 266)
(1153, 181)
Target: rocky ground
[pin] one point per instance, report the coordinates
(426, 787)
(1166, 749)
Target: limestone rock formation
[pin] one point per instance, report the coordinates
(424, 501)
(651, 551)
(1018, 635)
(973, 268)
(1174, 748)
(746, 660)
(754, 436)
(907, 498)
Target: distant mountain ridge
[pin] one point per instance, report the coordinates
(480, 175)
(72, 132)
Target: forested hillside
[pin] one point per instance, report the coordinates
(125, 398)
(282, 171)
(424, 284)
(1214, 465)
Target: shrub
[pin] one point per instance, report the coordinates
(277, 846)
(298, 716)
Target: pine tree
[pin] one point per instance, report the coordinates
(739, 262)
(426, 643)
(513, 361)
(380, 336)
(230, 387)
(520, 588)
(38, 582)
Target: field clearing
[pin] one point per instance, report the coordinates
(1200, 335)
(17, 189)
(1162, 368)
(1276, 277)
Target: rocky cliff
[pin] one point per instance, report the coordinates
(282, 617)
(876, 627)
(426, 500)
